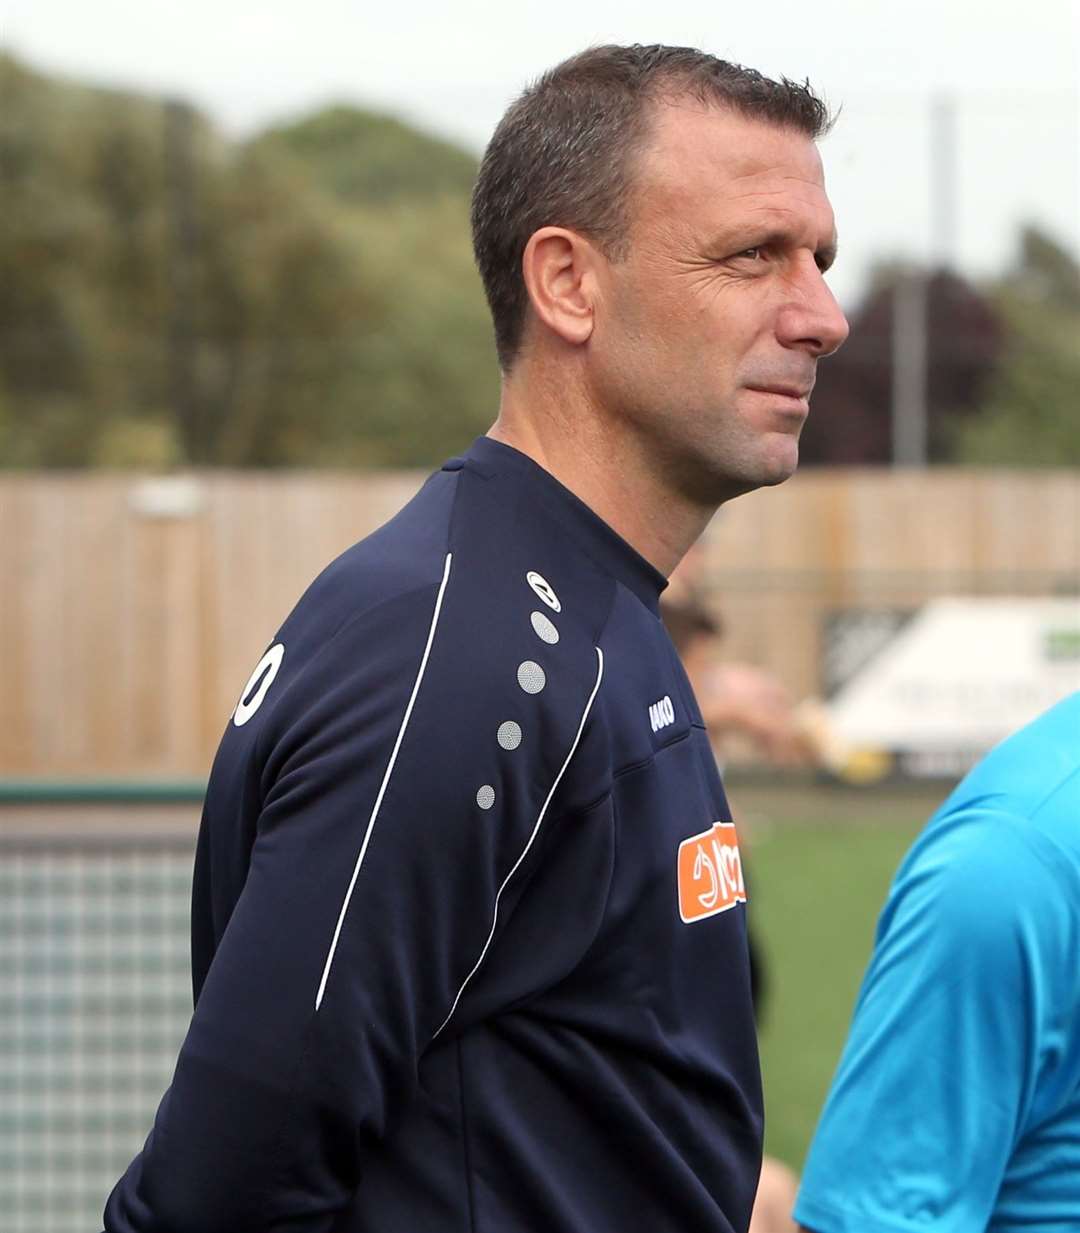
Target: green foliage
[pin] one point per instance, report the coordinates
(429, 382)
(1031, 415)
(167, 297)
(367, 159)
(279, 298)
(423, 376)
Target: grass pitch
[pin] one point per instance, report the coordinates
(820, 862)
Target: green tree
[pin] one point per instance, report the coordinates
(424, 378)
(166, 296)
(363, 158)
(1031, 414)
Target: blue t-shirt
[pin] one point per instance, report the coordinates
(469, 935)
(956, 1105)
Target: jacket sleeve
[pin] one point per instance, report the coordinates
(406, 773)
(953, 1038)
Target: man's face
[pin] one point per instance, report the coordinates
(709, 330)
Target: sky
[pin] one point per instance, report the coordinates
(1010, 81)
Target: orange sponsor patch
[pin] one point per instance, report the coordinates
(710, 873)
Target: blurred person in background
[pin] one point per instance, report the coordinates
(736, 698)
(456, 965)
(956, 1104)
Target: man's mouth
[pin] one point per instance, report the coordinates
(792, 399)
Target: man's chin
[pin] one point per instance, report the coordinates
(779, 463)
(716, 479)
(780, 472)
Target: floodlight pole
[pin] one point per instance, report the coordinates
(943, 180)
(910, 333)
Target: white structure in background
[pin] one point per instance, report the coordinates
(957, 678)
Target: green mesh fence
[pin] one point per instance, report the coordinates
(95, 997)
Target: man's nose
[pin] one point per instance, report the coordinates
(812, 320)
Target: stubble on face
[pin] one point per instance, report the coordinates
(710, 326)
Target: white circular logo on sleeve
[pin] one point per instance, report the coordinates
(544, 629)
(531, 677)
(263, 676)
(543, 589)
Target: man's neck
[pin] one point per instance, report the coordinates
(607, 469)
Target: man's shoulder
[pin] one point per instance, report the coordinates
(401, 558)
(1039, 765)
(464, 575)
(483, 669)
(994, 871)
(522, 609)
(496, 552)
(1032, 779)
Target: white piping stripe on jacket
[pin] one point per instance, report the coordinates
(535, 831)
(386, 780)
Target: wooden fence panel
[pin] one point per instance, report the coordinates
(131, 616)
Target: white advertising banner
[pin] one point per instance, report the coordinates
(941, 687)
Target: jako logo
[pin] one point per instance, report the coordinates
(661, 714)
(543, 589)
(710, 873)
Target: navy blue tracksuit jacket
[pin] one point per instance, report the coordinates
(468, 930)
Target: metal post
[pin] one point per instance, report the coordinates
(909, 370)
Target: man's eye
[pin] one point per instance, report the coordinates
(752, 253)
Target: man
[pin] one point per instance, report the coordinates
(468, 935)
(957, 1101)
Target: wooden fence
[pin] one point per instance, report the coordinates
(132, 610)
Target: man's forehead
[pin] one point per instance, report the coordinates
(694, 147)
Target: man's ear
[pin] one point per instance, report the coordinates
(559, 268)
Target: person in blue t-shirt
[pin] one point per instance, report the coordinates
(956, 1105)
